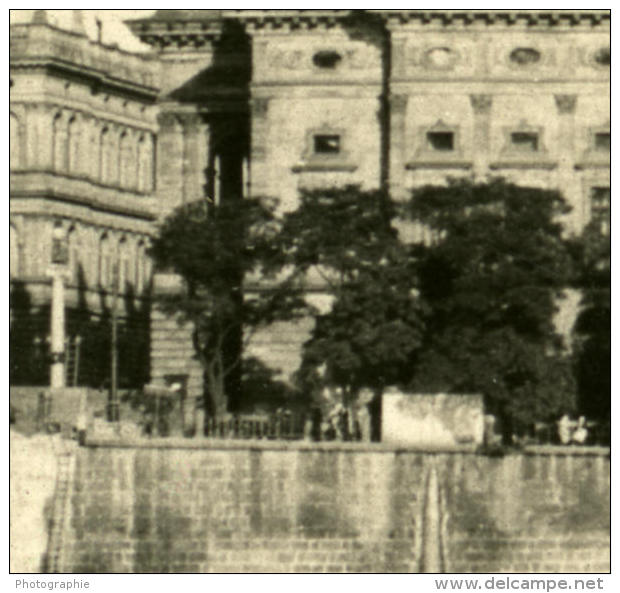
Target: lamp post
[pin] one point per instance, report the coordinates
(58, 272)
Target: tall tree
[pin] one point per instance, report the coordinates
(346, 241)
(215, 250)
(493, 277)
(592, 335)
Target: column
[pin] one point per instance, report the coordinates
(57, 371)
(398, 146)
(481, 106)
(58, 271)
(567, 181)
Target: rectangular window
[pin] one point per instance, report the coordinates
(600, 208)
(443, 141)
(524, 141)
(327, 144)
(602, 141)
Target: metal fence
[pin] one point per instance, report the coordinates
(280, 425)
(549, 433)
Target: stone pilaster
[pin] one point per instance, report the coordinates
(481, 106)
(83, 156)
(195, 153)
(260, 129)
(39, 136)
(399, 57)
(398, 148)
(567, 181)
(170, 166)
(92, 146)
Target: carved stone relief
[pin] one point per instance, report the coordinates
(260, 106)
(481, 104)
(322, 59)
(438, 57)
(525, 57)
(398, 103)
(565, 103)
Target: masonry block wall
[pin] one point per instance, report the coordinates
(185, 506)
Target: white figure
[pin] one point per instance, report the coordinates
(564, 429)
(580, 433)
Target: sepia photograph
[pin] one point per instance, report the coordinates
(311, 291)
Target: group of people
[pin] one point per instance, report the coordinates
(571, 431)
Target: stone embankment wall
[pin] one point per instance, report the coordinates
(191, 506)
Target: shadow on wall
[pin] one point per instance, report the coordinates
(29, 339)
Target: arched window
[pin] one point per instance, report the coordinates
(15, 142)
(61, 152)
(75, 145)
(14, 255)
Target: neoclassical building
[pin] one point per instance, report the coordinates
(83, 127)
(264, 102)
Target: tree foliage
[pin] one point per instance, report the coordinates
(215, 249)
(493, 277)
(472, 311)
(346, 239)
(592, 333)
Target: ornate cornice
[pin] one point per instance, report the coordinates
(191, 122)
(200, 29)
(288, 20)
(94, 115)
(167, 120)
(177, 33)
(503, 18)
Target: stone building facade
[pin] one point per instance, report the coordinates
(82, 159)
(265, 102)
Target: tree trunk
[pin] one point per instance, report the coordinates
(216, 401)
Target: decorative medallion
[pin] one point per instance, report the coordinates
(603, 56)
(327, 59)
(442, 58)
(525, 56)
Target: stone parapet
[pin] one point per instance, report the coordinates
(44, 45)
(331, 507)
